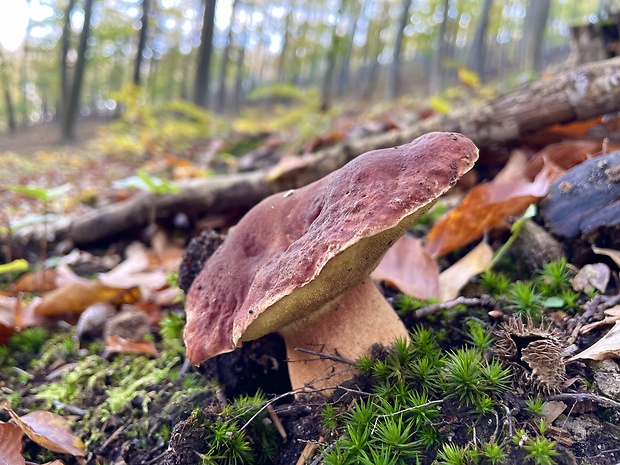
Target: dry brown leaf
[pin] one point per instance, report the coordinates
(37, 281)
(513, 169)
(484, 207)
(77, 296)
(591, 276)
(612, 315)
(453, 279)
(130, 346)
(408, 267)
(611, 253)
(11, 444)
(606, 347)
(48, 430)
(563, 156)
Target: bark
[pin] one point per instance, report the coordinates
(478, 45)
(144, 26)
(535, 22)
(343, 78)
(221, 93)
(201, 83)
(285, 42)
(394, 85)
(238, 95)
(437, 71)
(65, 42)
(327, 85)
(582, 93)
(73, 107)
(8, 99)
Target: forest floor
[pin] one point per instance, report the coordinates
(478, 384)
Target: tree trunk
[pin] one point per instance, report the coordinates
(73, 108)
(8, 100)
(326, 87)
(343, 78)
(201, 83)
(437, 71)
(478, 45)
(220, 101)
(65, 42)
(375, 47)
(239, 72)
(393, 88)
(534, 29)
(285, 42)
(141, 41)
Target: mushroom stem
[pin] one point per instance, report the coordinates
(348, 326)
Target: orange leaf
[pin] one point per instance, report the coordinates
(130, 346)
(564, 156)
(484, 207)
(48, 430)
(11, 444)
(75, 297)
(409, 268)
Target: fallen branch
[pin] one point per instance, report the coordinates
(570, 95)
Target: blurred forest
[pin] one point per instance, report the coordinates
(222, 55)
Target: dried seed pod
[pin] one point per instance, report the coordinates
(535, 353)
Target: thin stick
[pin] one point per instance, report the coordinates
(434, 308)
(277, 422)
(408, 409)
(583, 397)
(335, 358)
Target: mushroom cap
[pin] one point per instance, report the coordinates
(296, 251)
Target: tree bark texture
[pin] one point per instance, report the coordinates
(73, 107)
(478, 46)
(201, 84)
(583, 93)
(144, 27)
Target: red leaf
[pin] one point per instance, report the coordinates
(11, 444)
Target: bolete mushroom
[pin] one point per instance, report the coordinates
(299, 262)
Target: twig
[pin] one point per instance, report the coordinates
(434, 308)
(610, 301)
(577, 397)
(69, 408)
(408, 409)
(511, 431)
(282, 396)
(277, 423)
(309, 449)
(335, 358)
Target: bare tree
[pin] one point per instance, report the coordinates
(65, 43)
(330, 63)
(393, 88)
(143, 34)
(478, 46)
(73, 107)
(201, 83)
(220, 101)
(8, 99)
(437, 71)
(535, 22)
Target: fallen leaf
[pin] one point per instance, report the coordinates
(551, 410)
(484, 207)
(612, 315)
(48, 430)
(564, 156)
(16, 265)
(121, 345)
(591, 276)
(11, 444)
(408, 267)
(77, 296)
(453, 279)
(611, 253)
(606, 347)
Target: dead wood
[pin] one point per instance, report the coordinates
(569, 95)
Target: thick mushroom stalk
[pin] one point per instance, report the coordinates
(298, 262)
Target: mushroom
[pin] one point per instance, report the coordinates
(299, 262)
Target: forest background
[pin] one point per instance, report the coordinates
(219, 55)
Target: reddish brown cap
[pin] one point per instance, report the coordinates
(296, 251)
